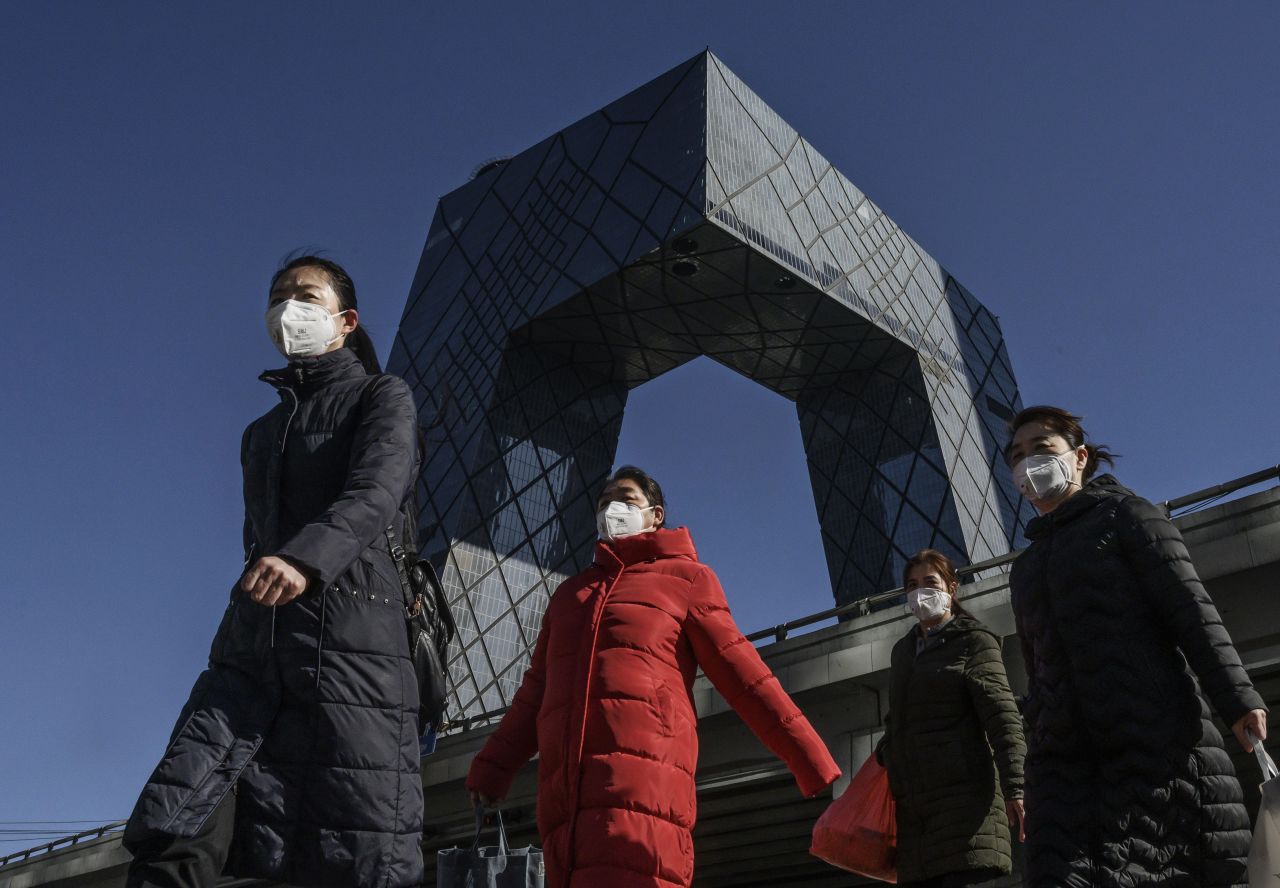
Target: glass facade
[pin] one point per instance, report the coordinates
(685, 219)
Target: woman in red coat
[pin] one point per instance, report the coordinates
(607, 704)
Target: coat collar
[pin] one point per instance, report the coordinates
(959, 624)
(308, 374)
(1101, 488)
(650, 546)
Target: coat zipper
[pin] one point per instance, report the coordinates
(293, 411)
(324, 601)
(596, 619)
(284, 439)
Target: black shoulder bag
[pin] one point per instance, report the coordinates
(426, 610)
(428, 620)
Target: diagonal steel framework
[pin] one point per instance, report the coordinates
(685, 219)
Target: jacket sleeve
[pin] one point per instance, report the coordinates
(1183, 609)
(734, 666)
(1025, 642)
(379, 475)
(988, 685)
(516, 740)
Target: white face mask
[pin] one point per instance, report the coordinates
(618, 520)
(1045, 476)
(928, 604)
(301, 329)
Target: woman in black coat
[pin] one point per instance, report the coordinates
(953, 740)
(296, 756)
(1127, 780)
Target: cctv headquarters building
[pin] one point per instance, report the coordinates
(685, 219)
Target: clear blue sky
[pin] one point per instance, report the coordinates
(1103, 176)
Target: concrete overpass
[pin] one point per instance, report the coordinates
(753, 827)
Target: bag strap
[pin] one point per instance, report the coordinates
(503, 847)
(398, 555)
(1265, 764)
(404, 550)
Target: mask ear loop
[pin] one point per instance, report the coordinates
(1075, 458)
(338, 334)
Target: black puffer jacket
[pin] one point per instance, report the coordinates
(1128, 783)
(952, 725)
(309, 710)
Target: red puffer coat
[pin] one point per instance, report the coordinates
(607, 703)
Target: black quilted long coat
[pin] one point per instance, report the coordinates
(308, 711)
(1127, 779)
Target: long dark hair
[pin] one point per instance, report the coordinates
(1060, 422)
(358, 339)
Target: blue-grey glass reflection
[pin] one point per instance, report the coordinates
(685, 219)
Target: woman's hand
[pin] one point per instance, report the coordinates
(480, 800)
(1017, 818)
(1253, 722)
(273, 581)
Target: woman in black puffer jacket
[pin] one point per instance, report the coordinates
(953, 740)
(1127, 780)
(296, 757)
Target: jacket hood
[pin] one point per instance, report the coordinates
(308, 374)
(1097, 490)
(660, 543)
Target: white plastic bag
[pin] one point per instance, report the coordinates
(1264, 853)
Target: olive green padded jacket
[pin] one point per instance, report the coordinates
(952, 728)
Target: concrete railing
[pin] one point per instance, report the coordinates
(968, 573)
(864, 606)
(66, 841)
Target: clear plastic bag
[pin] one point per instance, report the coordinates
(1264, 852)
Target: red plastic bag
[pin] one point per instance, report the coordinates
(859, 831)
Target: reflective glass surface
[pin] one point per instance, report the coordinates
(685, 219)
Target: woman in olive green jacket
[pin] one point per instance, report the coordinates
(952, 729)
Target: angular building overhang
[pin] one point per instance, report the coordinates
(686, 219)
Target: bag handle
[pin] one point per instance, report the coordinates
(1265, 764)
(503, 848)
